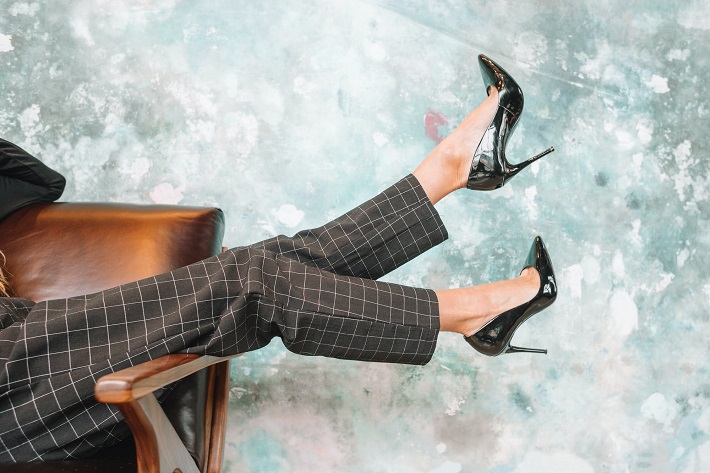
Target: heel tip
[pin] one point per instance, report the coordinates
(513, 349)
(540, 155)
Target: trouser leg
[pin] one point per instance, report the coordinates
(371, 240)
(317, 312)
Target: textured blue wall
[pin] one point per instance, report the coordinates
(287, 113)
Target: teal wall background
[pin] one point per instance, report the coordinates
(288, 113)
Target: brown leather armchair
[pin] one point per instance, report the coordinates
(58, 250)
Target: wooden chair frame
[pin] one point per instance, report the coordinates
(158, 447)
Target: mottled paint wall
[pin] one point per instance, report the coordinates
(287, 113)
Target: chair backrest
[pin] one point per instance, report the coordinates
(59, 250)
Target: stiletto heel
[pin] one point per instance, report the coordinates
(494, 338)
(489, 168)
(515, 169)
(512, 349)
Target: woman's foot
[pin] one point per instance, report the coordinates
(466, 310)
(495, 337)
(447, 167)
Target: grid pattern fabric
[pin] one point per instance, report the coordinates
(314, 290)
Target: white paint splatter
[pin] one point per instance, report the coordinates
(289, 215)
(572, 277)
(269, 103)
(613, 74)
(533, 47)
(117, 58)
(30, 123)
(80, 27)
(201, 130)
(625, 139)
(380, 138)
(683, 178)
(535, 168)
(644, 129)
(591, 68)
(617, 264)
(197, 102)
(658, 84)
(636, 232)
(165, 193)
(664, 280)
(441, 448)
(661, 282)
(678, 54)
(695, 15)
(682, 256)
(447, 467)
(374, 51)
(454, 406)
(237, 392)
(530, 194)
(23, 8)
(303, 87)
(658, 408)
(590, 269)
(135, 169)
(6, 43)
(624, 313)
(637, 159)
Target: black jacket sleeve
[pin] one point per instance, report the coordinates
(24, 179)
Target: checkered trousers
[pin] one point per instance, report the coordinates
(313, 290)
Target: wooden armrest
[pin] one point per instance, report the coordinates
(133, 383)
(158, 447)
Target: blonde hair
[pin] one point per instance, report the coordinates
(4, 289)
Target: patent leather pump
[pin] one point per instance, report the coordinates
(490, 169)
(494, 338)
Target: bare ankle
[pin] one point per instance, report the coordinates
(466, 310)
(448, 166)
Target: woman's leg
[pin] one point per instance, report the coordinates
(466, 310)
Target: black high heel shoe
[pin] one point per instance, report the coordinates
(489, 168)
(494, 337)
